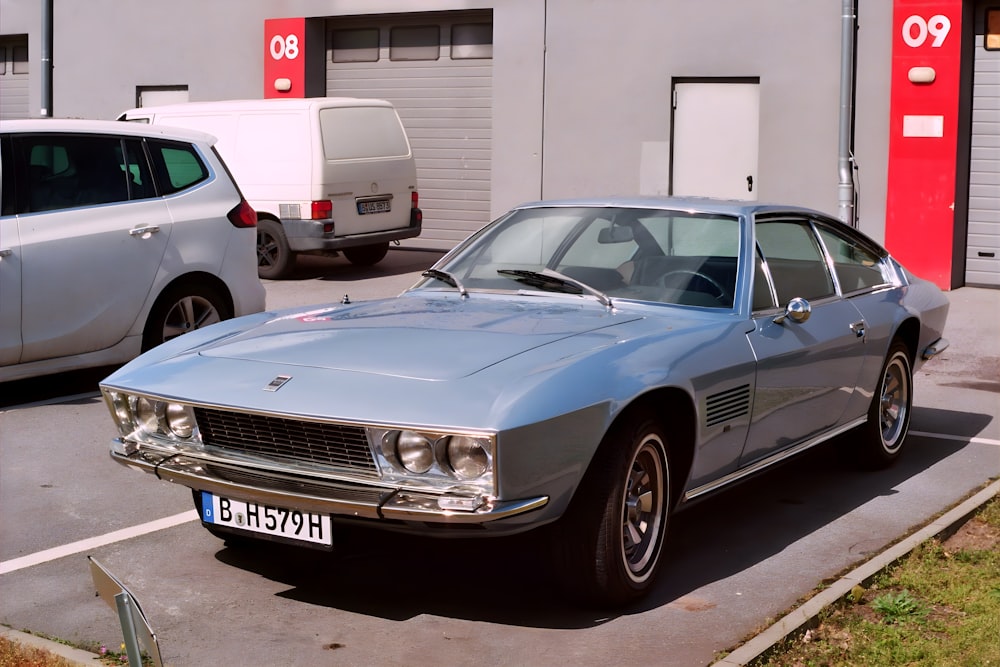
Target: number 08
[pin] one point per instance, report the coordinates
(286, 46)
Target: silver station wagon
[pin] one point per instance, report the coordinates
(588, 366)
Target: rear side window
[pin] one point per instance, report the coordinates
(857, 267)
(178, 165)
(67, 171)
(362, 132)
(794, 259)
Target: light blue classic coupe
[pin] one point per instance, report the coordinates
(587, 365)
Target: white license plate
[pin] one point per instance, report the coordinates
(374, 206)
(290, 524)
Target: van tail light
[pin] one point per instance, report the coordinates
(414, 199)
(322, 210)
(242, 215)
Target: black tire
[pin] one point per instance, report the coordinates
(274, 258)
(883, 435)
(610, 541)
(366, 255)
(180, 309)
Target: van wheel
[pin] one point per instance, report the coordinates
(274, 258)
(366, 255)
(180, 309)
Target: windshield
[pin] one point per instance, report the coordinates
(657, 255)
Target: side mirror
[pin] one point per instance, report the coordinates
(615, 234)
(798, 310)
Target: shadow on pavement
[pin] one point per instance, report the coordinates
(510, 580)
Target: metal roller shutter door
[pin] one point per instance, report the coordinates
(445, 105)
(983, 246)
(14, 79)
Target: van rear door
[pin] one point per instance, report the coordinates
(368, 170)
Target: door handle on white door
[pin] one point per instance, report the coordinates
(143, 231)
(6, 252)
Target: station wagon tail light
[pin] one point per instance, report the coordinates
(414, 199)
(322, 209)
(242, 215)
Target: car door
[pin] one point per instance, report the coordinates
(807, 370)
(92, 235)
(10, 267)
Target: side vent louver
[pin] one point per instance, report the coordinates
(727, 405)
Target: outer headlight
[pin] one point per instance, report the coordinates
(414, 451)
(468, 457)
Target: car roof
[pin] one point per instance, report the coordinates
(56, 125)
(700, 204)
(283, 103)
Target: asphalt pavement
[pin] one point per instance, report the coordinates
(736, 563)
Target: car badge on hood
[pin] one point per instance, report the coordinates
(277, 383)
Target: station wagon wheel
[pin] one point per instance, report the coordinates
(889, 412)
(366, 255)
(612, 537)
(274, 257)
(180, 309)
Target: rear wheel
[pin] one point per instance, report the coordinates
(889, 413)
(274, 257)
(611, 539)
(180, 309)
(366, 255)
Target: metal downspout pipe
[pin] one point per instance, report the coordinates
(46, 74)
(845, 161)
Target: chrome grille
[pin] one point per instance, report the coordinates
(285, 439)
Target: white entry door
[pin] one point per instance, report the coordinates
(715, 139)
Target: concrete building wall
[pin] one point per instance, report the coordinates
(580, 86)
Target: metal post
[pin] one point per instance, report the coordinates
(46, 111)
(124, 603)
(845, 190)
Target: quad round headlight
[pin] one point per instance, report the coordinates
(180, 420)
(147, 414)
(414, 451)
(467, 456)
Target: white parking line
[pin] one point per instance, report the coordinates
(192, 515)
(94, 542)
(959, 438)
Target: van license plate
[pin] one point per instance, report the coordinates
(374, 206)
(290, 524)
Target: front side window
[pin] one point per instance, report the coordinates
(794, 259)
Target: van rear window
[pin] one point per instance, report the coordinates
(362, 132)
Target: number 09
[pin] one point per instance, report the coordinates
(938, 27)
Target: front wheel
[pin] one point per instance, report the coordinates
(889, 413)
(180, 309)
(612, 537)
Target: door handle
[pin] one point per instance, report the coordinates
(6, 252)
(749, 183)
(859, 329)
(143, 231)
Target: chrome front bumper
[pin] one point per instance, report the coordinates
(354, 500)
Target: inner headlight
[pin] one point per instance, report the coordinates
(467, 456)
(180, 420)
(414, 451)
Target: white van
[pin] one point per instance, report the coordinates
(324, 174)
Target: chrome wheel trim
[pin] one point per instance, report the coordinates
(644, 505)
(190, 313)
(894, 402)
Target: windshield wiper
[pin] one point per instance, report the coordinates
(553, 281)
(448, 278)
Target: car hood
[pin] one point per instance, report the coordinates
(425, 338)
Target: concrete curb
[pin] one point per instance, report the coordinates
(757, 646)
(72, 655)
